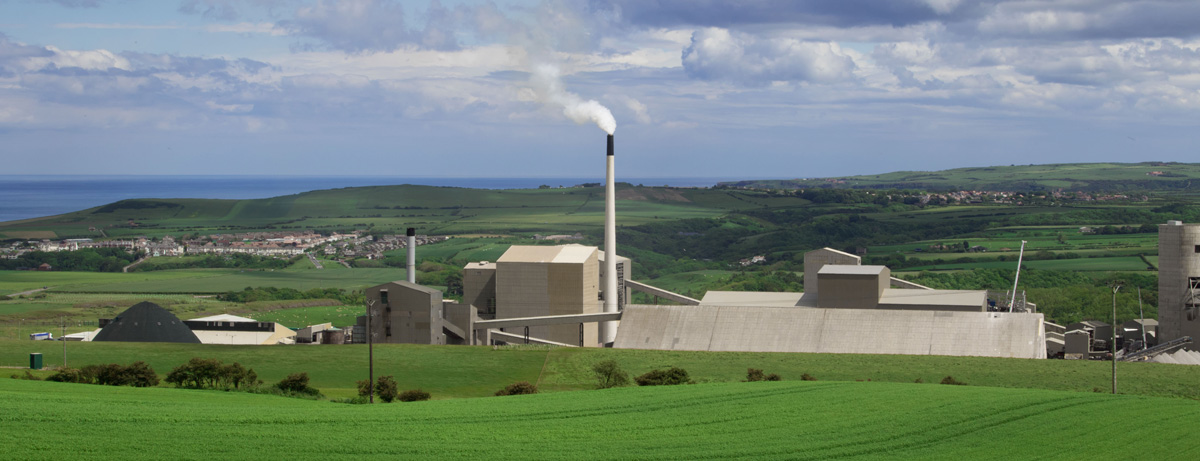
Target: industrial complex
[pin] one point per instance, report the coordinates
(579, 296)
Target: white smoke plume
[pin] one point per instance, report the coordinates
(547, 83)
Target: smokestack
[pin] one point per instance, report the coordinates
(608, 330)
(412, 255)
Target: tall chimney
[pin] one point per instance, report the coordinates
(412, 255)
(608, 330)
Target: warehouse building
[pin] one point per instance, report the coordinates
(231, 329)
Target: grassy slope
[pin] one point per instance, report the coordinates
(1053, 176)
(808, 420)
(461, 371)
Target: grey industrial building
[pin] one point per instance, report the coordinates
(1179, 281)
(846, 308)
(527, 281)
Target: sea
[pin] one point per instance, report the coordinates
(33, 196)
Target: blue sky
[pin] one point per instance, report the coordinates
(697, 88)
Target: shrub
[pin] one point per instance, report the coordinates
(609, 374)
(668, 377)
(364, 388)
(414, 395)
(518, 388)
(296, 383)
(139, 374)
(386, 387)
(27, 376)
(67, 375)
(198, 373)
(776, 377)
(358, 400)
(807, 377)
(754, 374)
(112, 375)
(919, 381)
(952, 381)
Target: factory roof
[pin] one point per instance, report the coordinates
(146, 322)
(547, 254)
(933, 298)
(480, 265)
(750, 298)
(845, 269)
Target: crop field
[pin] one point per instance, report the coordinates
(1122, 263)
(298, 317)
(478, 371)
(808, 420)
(223, 280)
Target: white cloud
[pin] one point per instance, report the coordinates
(721, 54)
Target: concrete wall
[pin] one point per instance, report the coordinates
(852, 291)
(534, 289)
(816, 259)
(412, 314)
(479, 288)
(1178, 260)
(859, 331)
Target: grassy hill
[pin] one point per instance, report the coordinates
(803, 420)
(478, 371)
(1087, 177)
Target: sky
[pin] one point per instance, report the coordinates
(695, 88)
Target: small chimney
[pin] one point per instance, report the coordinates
(412, 255)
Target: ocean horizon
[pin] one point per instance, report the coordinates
(34, 196)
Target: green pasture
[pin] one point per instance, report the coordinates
(477, 371)
(808, 420)
(223, 280)
(1121, 263)
(299, 317)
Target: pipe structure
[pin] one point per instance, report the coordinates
(412, 255)
(608, 330)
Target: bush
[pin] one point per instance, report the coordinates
(668, 377)
(952, 381)
(807, 377)
(776, 377)
(139, 374)
(919, 381)
(385, 387)
(359, 400)
(68, 375)
(754, 374)
(518, 388)
(364, 388)
(414, 395)
(201, 373)
(609, 374)
(296, 383)
(27, 376)
(136, 374)
(236, 376)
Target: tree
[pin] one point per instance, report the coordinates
(609, 374)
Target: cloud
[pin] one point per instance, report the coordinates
(229, 10)
(374, 25)
(720, 13)
(720, 54)
(76, 3)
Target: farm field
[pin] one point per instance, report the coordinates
(194, 280)
(1123, 263)
(478, 371)
(810, 420)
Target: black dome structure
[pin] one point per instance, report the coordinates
(147, 322)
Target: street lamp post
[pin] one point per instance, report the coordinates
(1116, 288)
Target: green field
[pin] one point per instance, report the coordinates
(194, 280)
(802, 420)
(477, 371)
(1070, 177)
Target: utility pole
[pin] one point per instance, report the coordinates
(370, 353)
(1116, 288)
(62, 336)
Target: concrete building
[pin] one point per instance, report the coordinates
(538, 281)
(405, 312)
(1179, 282)
(845, 308)
(231, 329)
